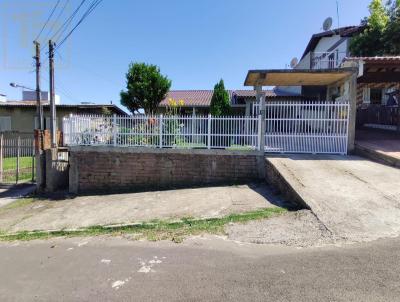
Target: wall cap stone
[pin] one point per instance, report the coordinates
(143, 150)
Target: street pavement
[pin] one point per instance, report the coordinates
(199, 269)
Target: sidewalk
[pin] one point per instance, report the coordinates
(131, 208)
(11, 194)
(379, 145)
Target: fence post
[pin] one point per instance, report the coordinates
(160, 130)
(114, 128)
(259, 132)
(18, 155)
(1, 157)
(33, 161)
(70, 139)
(209, 132)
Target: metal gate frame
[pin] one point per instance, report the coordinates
(17, 158)
(307, 127)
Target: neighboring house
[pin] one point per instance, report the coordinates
(378, 91)
(198, 101)
(325, 50)
(20, 116)
(378, 81)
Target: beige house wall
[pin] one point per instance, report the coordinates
(23, 118)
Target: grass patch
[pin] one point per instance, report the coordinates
(11, 162)
(155, 230)
(21, 202)
(240, 148)
(10, 167)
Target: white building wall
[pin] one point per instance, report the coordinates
(304, 63)
(325, 43)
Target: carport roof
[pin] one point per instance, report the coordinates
(297, 77)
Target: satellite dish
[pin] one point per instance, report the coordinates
(327, 24)
(294, 62)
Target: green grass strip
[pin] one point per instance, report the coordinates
(154, 230)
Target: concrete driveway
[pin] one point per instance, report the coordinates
(354, 198)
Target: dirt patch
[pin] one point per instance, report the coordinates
(301, 228)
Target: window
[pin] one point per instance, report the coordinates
(5, 123)
(366, 98)
(376, 96)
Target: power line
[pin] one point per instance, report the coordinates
(67, 22)
(48, 19)
(91, 8)
(56, 19)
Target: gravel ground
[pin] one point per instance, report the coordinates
(301, 228)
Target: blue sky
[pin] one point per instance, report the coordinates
(194, 42)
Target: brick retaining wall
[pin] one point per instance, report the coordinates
(100, 169)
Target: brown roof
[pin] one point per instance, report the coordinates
(202, 98)
(382, 59)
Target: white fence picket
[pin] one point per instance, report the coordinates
(291, 127)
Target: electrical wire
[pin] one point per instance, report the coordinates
(67, 22)
(91, 8)
(48, 19)
(56, 19)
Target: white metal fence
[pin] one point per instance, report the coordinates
(290, 126)
(163, 131)
(307, 127)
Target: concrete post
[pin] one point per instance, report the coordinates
(260, 99)
(248, 109)
(352, 112)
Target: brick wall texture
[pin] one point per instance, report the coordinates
(134, 171)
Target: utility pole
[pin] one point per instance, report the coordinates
(53, 120)
(39, 108)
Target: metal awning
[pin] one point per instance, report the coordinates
(297, 77)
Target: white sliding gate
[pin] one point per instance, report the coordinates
(306, 127)
(290, 127)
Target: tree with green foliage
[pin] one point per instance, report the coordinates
(371, 41)
(146, 88)
(392, 34)
(220, 103)
(381, 35)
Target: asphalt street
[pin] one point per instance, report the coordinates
(200, 269)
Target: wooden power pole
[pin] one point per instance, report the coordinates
(39, 107)
(53, 119)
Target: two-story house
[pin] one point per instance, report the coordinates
(325, 50)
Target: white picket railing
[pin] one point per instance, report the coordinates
(290, 127)
(234, 132)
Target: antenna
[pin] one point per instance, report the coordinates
(294, 62)
(327, 24)
(337, 13)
